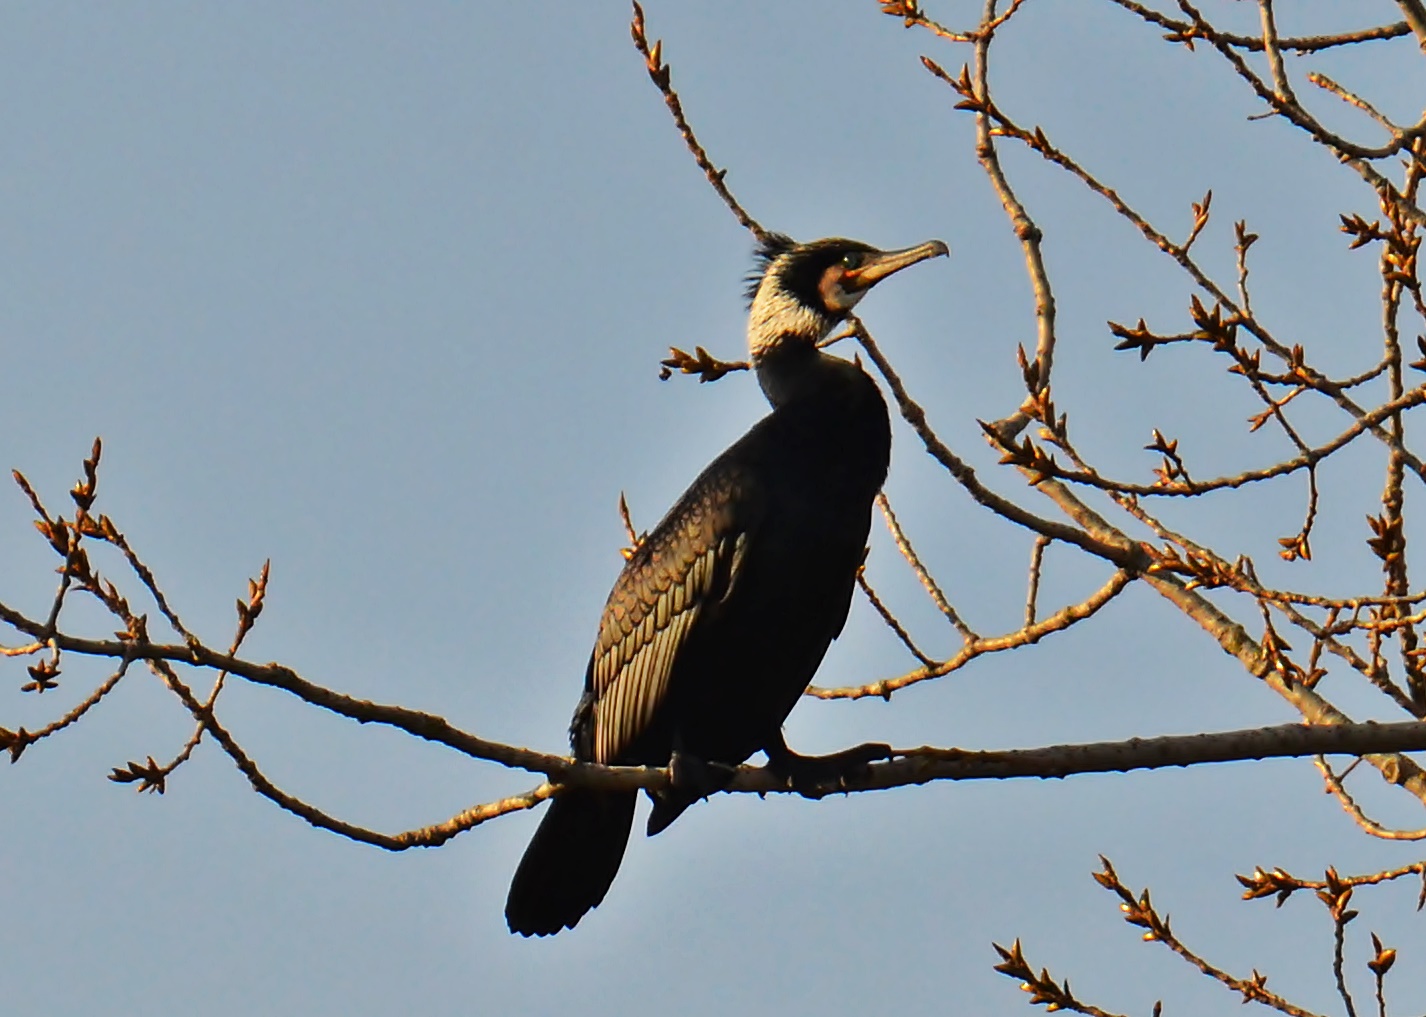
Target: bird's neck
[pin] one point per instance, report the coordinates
(783, 333)
(795, 370)
(777, 319)
(832, 417)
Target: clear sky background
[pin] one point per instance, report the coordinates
(379, 294)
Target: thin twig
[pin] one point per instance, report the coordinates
(981, 645)
(1182, 31)
(659, 74)
(1032, 592)
(1140, 912)
(1350, 806)
(891, 620)
(928, 583)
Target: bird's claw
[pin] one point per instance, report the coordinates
(818, 776)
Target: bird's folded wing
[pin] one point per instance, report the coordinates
(674, 583)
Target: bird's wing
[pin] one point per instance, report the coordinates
(674, 582)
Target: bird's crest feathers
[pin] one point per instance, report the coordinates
(771, 247)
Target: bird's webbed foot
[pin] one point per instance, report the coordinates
(690, 779)
(696, 778)
(817, 776)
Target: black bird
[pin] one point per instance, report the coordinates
(719, 620)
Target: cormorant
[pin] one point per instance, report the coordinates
(722, 615)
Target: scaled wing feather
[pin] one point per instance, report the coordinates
(646, 624)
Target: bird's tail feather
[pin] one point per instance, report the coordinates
(571, 861)
(668, 807)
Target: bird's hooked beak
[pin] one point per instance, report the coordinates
(878, 266)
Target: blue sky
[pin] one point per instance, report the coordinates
(380, 295)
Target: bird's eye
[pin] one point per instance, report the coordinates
(851, 259)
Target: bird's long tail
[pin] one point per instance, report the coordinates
(571, 861)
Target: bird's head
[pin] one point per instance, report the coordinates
(798, 293)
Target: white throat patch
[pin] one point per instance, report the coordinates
(776, 317)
